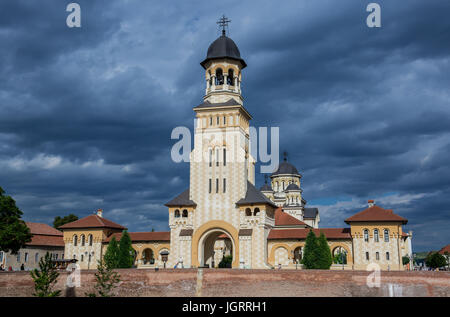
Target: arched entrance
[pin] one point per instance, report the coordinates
(148, 256)
(204, 240)
(214, 246)
(340, 255)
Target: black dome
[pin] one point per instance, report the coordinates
(292, 186)
(223, 47)
(286, 168)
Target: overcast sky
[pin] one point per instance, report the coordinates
(86, 114)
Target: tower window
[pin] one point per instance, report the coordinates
(185, 213)
(367, 256)
(210, 157)
(224, 185)
(219, 77)
(224, 157)
(217, 185)
(224, 120)
(218, 120)
(210, 121)
(177, 214)
(217, 157)
(230, 78)
(387, 256)
(377, 256)
(210, 185)
(75, 240)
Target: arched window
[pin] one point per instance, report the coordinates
(224, 157)
(230, 78)
(219, 77)
(82, 258)
(386, 235)
(387, 256)
(256, 211)
(90, 240)
(367, 256)
(185, 213)
(217, 157)
(248, 212)
(75, 240)
(283, 185)
(376, 236)
(298, 255)
(366, 235)
(36, 258)
(82, 240)
(377, 255)
(210, 157)
(177, 214)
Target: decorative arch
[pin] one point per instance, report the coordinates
(271, 258)
(342, 245)
(209, 227)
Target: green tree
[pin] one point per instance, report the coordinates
(111, 256)
(126, 251)
(310, 258)
(106, 280)
(226, 261)
(340, 257)
(58, 221)
(405, 260)
(323, 253)
(14, 233)
(45, 278)
(435, 260)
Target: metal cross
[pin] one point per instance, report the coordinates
(223, 22)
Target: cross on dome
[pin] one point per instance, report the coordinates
(223, 22)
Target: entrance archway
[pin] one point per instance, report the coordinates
(204, 238)
(148, 256)
(213, 246)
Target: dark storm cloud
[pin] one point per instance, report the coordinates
(86, 114)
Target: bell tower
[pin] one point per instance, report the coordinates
(223, 66)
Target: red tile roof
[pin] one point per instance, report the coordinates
(284, 219)
(330, 233)
(445, 249)
(92, 221)
(43, 228)
(376, 213)
(44, 235)
(44, 240)
(143, 236)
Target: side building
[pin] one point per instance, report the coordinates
(44, 239)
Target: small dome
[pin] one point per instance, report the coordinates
(266, 188)
(223, 47)
(286, 168)
(292, 186)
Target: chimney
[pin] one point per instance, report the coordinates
(100, 213)
(371, 202)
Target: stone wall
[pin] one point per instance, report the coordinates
(232, 282)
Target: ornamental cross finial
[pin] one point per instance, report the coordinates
(223, 22)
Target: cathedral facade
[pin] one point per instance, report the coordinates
(223, 215)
